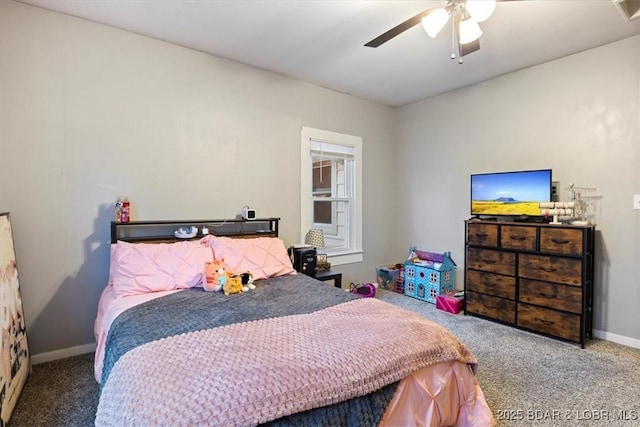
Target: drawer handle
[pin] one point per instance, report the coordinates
(520, 238)
(549, 270)
(560, 242)
(481, 235)
(488, 261)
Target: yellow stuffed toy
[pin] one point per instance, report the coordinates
(233, 285)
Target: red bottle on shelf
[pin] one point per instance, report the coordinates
(125, 211)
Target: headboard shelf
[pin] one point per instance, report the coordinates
(163, 230)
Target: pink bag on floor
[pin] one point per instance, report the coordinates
(365, 290)
(449, 303)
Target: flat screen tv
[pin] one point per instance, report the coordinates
(510, 194)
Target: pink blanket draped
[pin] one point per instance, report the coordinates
(254, 372)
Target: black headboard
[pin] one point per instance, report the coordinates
(163, 231)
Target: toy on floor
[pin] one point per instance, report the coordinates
(365, 290)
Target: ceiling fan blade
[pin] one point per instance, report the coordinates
(398, 29)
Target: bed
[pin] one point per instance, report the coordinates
(292, 351)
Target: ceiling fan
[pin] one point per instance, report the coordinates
(465, 15)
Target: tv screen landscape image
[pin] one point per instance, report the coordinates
(510, 193)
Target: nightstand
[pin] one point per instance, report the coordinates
(325, 275)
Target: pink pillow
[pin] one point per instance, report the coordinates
(138, 268)
(263, 257)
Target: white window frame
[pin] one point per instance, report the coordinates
(354, 253)
(329, 229)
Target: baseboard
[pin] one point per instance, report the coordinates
(62, 354)
(619, 339)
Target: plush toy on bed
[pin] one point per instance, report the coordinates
(215, 273)
(233, 285)
(247, 281)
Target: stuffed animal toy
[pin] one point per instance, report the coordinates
(233, 285)
(247, 281)
(215, 273)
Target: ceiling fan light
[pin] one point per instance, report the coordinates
(480, 10)
(435, 21)
(469, 31)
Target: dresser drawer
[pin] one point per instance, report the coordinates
(549, 321)
(492, 261)
(493, 307)
(551, 269)
(564, 241)
(518, 237)
(482, 234)
(560, 297)
(490, 283)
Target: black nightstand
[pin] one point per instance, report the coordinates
(325, 275)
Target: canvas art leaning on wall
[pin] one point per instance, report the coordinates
(14, 352)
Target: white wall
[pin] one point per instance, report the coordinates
(580, 116)
(88, 113)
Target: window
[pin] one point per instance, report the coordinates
(331, 192)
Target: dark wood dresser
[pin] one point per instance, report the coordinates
(533, 276)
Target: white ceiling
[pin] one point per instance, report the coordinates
(322, 41)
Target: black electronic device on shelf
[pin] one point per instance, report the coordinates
(304, 260)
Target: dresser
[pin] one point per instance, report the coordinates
(533, 276)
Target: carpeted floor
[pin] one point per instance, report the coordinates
(528, 380)
(59, 393)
